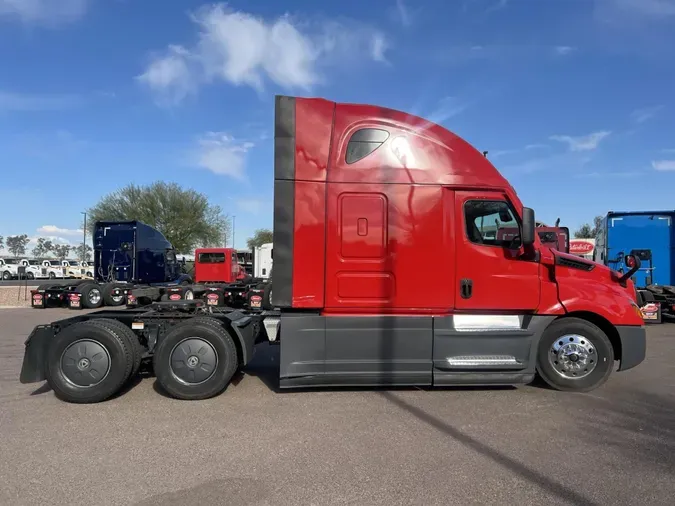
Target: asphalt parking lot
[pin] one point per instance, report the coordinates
(254, 446)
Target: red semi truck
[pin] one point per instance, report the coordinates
(360, 194)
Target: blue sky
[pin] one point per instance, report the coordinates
(573, 99)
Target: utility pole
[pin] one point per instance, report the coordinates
(84, 237)
(233, 222)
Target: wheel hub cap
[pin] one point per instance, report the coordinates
(573, 356)
(94, 296)
(85, 363)
(193, 361)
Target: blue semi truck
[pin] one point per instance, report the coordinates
(126, 254)
(650, 236)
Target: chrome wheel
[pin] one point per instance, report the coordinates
(573, 356)
(94, 296)
(189, 295)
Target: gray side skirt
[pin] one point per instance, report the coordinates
(400, 350)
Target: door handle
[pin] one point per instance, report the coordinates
(466, 288)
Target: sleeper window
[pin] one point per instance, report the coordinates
(491, 222)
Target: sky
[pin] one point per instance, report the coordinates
(572, 99)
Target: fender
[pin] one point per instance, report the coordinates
(612, 303)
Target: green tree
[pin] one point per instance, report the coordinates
(586, 231)
(260, 237)
(184, 216)
(61, 250)
(43, 247)
(16, 244)
(83, 252)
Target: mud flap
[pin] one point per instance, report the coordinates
(33, 367)
(244, 329)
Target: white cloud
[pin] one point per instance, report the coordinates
(536, 146)
(26, 102)
(170, 75)
(664, 165)
(53, 230)
(403, 15)
(645, 113)
(564, 50)
(378, 48)
(44, 12)
(246, 50)
(222, 154)
(583, 143)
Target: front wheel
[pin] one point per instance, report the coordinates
(574, 355)
(30, 275)
(6, 275)
(52, 275)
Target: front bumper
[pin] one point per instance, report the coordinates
(633, 345)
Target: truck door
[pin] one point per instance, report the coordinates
(491, 275)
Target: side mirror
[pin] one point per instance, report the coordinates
(528, 226)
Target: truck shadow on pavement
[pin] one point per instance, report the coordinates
(639, 426)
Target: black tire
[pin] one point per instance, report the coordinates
(109, 298)
(103, 339)
(92, 297)
(129, 336)
(52, 275)
(188, 294)
(212, 341)
(30, 275)
(6, 275)
(598, 353)
(267, 297)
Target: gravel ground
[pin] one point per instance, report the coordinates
(15, 296)
(254, 446)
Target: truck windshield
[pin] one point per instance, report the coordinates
(73, 263)
(55, 263)
(11, 261)
(33, 262)
(211, 258)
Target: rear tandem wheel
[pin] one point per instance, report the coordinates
(89, 362)
(196, 359)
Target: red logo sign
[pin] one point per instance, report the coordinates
(212, 296)
(174, 296)
(581, 247)
(37, 296)
(256, 298)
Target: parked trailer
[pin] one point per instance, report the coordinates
(650, 236)
(127, 254)
(361, 193)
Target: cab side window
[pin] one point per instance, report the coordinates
(491, 223)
